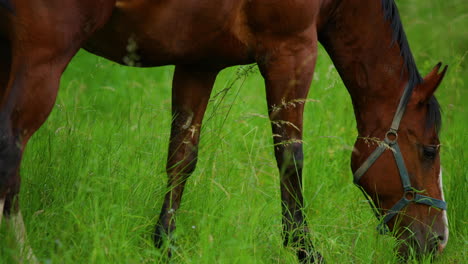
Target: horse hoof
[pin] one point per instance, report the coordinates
(159, 237)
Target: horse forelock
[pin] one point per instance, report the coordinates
(392, 15)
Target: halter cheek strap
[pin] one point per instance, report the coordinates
(410, 194)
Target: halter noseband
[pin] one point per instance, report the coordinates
(410, 194)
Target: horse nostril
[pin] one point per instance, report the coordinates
(441, 239)
(441, 243)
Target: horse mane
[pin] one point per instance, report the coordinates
(6, 4)
(391, 14)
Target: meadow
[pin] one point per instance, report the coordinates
(93, 177)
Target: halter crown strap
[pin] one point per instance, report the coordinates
(410, 195)
(401, 108)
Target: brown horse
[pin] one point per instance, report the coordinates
(394, 106)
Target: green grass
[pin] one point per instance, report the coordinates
(93, 176)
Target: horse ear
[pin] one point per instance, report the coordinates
(430, 84)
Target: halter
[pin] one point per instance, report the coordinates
(410, 194)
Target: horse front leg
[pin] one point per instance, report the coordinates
(190, 94)
(288, 73)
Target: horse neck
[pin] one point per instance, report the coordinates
(359, 40)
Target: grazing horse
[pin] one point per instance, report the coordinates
(395, 158)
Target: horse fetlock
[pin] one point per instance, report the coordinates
(159, 236)
(310, 256)
(298, 238)
(163, 230)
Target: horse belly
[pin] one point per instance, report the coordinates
(170, 32)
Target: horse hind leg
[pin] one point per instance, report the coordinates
(288, 73)
(31, 70)
(5, 65)
(190, 94)
(27, 101)
(17, 224)
(10, 155)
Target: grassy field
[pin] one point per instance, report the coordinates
(94, 177)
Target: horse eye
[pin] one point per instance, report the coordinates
(430, 152)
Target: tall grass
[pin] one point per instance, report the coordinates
(94, 178)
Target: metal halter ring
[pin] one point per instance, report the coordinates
(409, 196)
(393, 134)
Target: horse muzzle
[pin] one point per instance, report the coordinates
(423, 240)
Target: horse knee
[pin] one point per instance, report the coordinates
(296, 154)
(289, 156)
